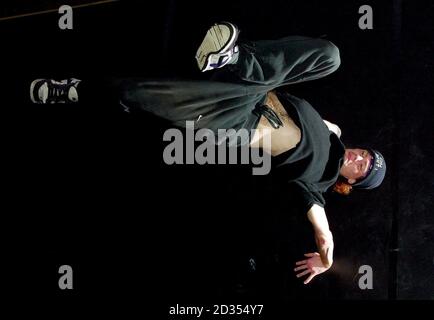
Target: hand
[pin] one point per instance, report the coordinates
(312, 266)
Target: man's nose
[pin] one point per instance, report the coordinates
(359, 158)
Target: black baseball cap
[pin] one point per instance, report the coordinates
(376, 172)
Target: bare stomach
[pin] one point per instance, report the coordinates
(281, 139)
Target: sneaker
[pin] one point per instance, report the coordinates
(51, 91)
(218, 47)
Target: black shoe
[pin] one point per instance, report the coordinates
(51, 91)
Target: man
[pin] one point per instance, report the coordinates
(307, 152)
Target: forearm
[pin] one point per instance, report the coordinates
(318, 218)
(323, 235)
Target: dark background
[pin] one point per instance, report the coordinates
(92, 191)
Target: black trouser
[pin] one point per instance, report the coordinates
(228, 103)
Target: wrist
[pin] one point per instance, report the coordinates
(322, 232)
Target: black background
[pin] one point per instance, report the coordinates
(93, 192)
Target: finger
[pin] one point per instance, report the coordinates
(305, 272)
(312, 254)
(301, 267)
(312, 275)
(300, 262)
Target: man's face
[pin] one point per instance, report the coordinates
(356, 164)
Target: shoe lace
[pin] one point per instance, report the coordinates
(58, 92)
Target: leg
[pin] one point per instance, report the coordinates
(210, 104)
(285, 61)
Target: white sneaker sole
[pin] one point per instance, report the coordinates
(218, 39)
(32, 87)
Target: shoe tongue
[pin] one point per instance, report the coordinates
(73, 94)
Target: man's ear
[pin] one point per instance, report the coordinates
(351, 181)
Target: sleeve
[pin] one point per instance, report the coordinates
(304, 196)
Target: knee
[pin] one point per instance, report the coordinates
(330, 53)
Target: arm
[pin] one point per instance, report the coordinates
(317, 263)
(323, 235)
